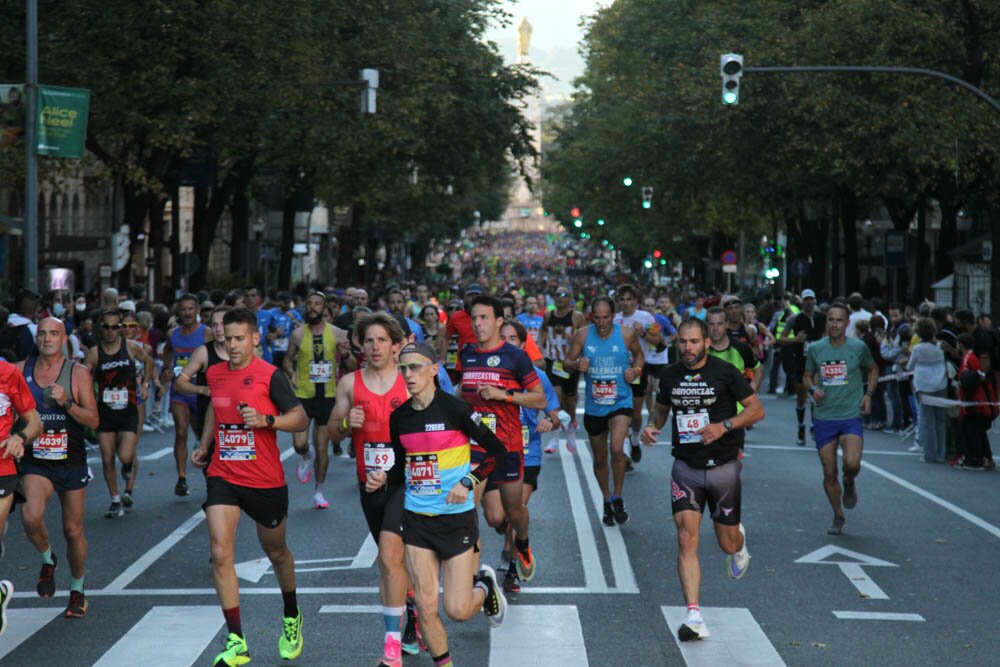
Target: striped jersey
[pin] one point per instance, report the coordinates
(507, 367)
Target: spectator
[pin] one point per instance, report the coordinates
(930, 379)
(978, 386)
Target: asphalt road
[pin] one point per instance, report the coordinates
(910, 581)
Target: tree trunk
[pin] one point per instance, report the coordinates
(287, 241)
(208, 212)
(849, 223)
(920, 282)
(239, 210)
(345, 246)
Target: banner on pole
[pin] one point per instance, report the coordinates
(62, 121)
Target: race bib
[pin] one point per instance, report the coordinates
(451, 360)
(116, 399)
(320, 372)
(688, 425)
(52, 446)
(179, 365)
(422, 475)
(490, 420)
(379, 456)
(559, 371)
(833, 373)
(280, 345)
(236, 443)
(525, 438)
(605, 392)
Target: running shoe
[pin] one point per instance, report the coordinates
(693, 628)
(837, 527)
(628, 466)
(337, 449)
(305, 469)
(636, 453)
(495, 604)
(850, 497)
(77, 607)
(290, 642)
(525, 564)
(236, 652)
(392, 653)
(126, 472)
(127, 500)
(609, 514)
(319, 501)
(114, 510)
(737, 563)
(47, 579)
(571, 438)
(6, 593)
(989, 463)
(800, 440)
(914, 448)
(181, 487)
(553, 444)
(510, 581)
(411, 639)
(618, 507)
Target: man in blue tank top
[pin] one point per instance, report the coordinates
(610, 358)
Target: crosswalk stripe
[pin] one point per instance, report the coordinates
(158, 454)
(22, 623)
(736, 639)
(167, 636)
(542, 636)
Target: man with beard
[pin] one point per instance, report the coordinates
(707, 434)
(310, 365)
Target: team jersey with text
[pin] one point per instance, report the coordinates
(507, 367)
(15, 397)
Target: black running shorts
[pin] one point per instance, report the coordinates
(595, 426)
(383, 509)
(567, 385)
(318, 409)
(531, 476)
(268, 507)
(448, 535)
(117, 421)
(507, 471)
(691, 488)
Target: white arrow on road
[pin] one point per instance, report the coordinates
(254, 570)
(852, 569)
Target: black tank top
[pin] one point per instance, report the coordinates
(561, 320)
(114, 373)
(201, 381)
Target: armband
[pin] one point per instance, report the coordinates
(343, 425)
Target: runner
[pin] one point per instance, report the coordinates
(840, 400)
(251, 400)
(365, 399)
(650, 337)
(611, 359)
(558, 328)
(724, 347)
(192, 379)
(430, 436)
(181, 342)
(459, 333)
(57, 461)
(112, 364)
(311, 368)
(805, 328)
(497, 380)
(135, 330)
(532, 428)
(15, 401)
(707, 434)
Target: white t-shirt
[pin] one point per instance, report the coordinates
(646, 320)
(854, 317)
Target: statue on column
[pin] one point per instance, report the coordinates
(524, 38)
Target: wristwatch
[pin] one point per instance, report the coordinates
(468, 482)
(728, 425)
(270, 420)
(510, 396)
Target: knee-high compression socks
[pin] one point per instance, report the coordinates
(393, 618)
(800, 414)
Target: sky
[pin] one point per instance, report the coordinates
(554, 41)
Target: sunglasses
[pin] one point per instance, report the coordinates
(562, 293)
(414, 367)
(111, 327)
(130, 325)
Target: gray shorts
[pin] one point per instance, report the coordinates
(690, 488)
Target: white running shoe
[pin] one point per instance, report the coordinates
(737, 563)
(550, 448)
(304, 470)
(693, 628)
(571, 438)
(319, 501)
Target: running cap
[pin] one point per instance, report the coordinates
(808, 294)
(207, 305)
(730, 298)
(423, 349)
(474, 288)
(128, 306)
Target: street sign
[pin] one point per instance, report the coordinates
(729, 268)
(800, 267)
(729, 257)
(895, 248)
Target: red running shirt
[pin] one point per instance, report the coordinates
(506, 367)
(15, 397)
(246, 456)
(372, 442)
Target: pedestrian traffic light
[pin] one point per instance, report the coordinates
(647, 196)
(578, 223)
(575, 212)
(731, 68)
(657, 254)
(627, 182)
(648, 264)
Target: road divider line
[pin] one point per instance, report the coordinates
(937, 500)
(736, 639)
(23, 623)
(158, 454)
(590, 559)
(877, 616)
(526, 639)
(166, 636)
(350, 609)
(621, 566)
(133, 571)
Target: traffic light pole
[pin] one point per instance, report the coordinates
(882, 70)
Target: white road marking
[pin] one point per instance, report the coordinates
(166, 636)
(735, 639)
(139, 566)
(810, 449)
(287, 454)
(254, 570)
(306, 590)
(590, 559)
(876, 616)
(852, 568)
(22, 623)
(937, 500)
(861, 581)
(158, 454)
(621, 566)
(350, 609)
(542, 636)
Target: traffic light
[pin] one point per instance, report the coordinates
(657, 254)
(648, 264)
(627, 182)
(575, 212)
(578, 223)
(663, 262)
(600, 222)
(731, 68)
(647, 196)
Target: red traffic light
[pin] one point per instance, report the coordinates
(575, 212)
(657, 254)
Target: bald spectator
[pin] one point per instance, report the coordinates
(109, 299)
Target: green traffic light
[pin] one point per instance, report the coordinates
(578, 223)
(663, 262)
(648, 264)
(627, 182)
(647, 204)
(600, 222)
(730, 97)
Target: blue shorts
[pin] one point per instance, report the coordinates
(64, 478)
(828, 430)
(190, 401)
(508, 470)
